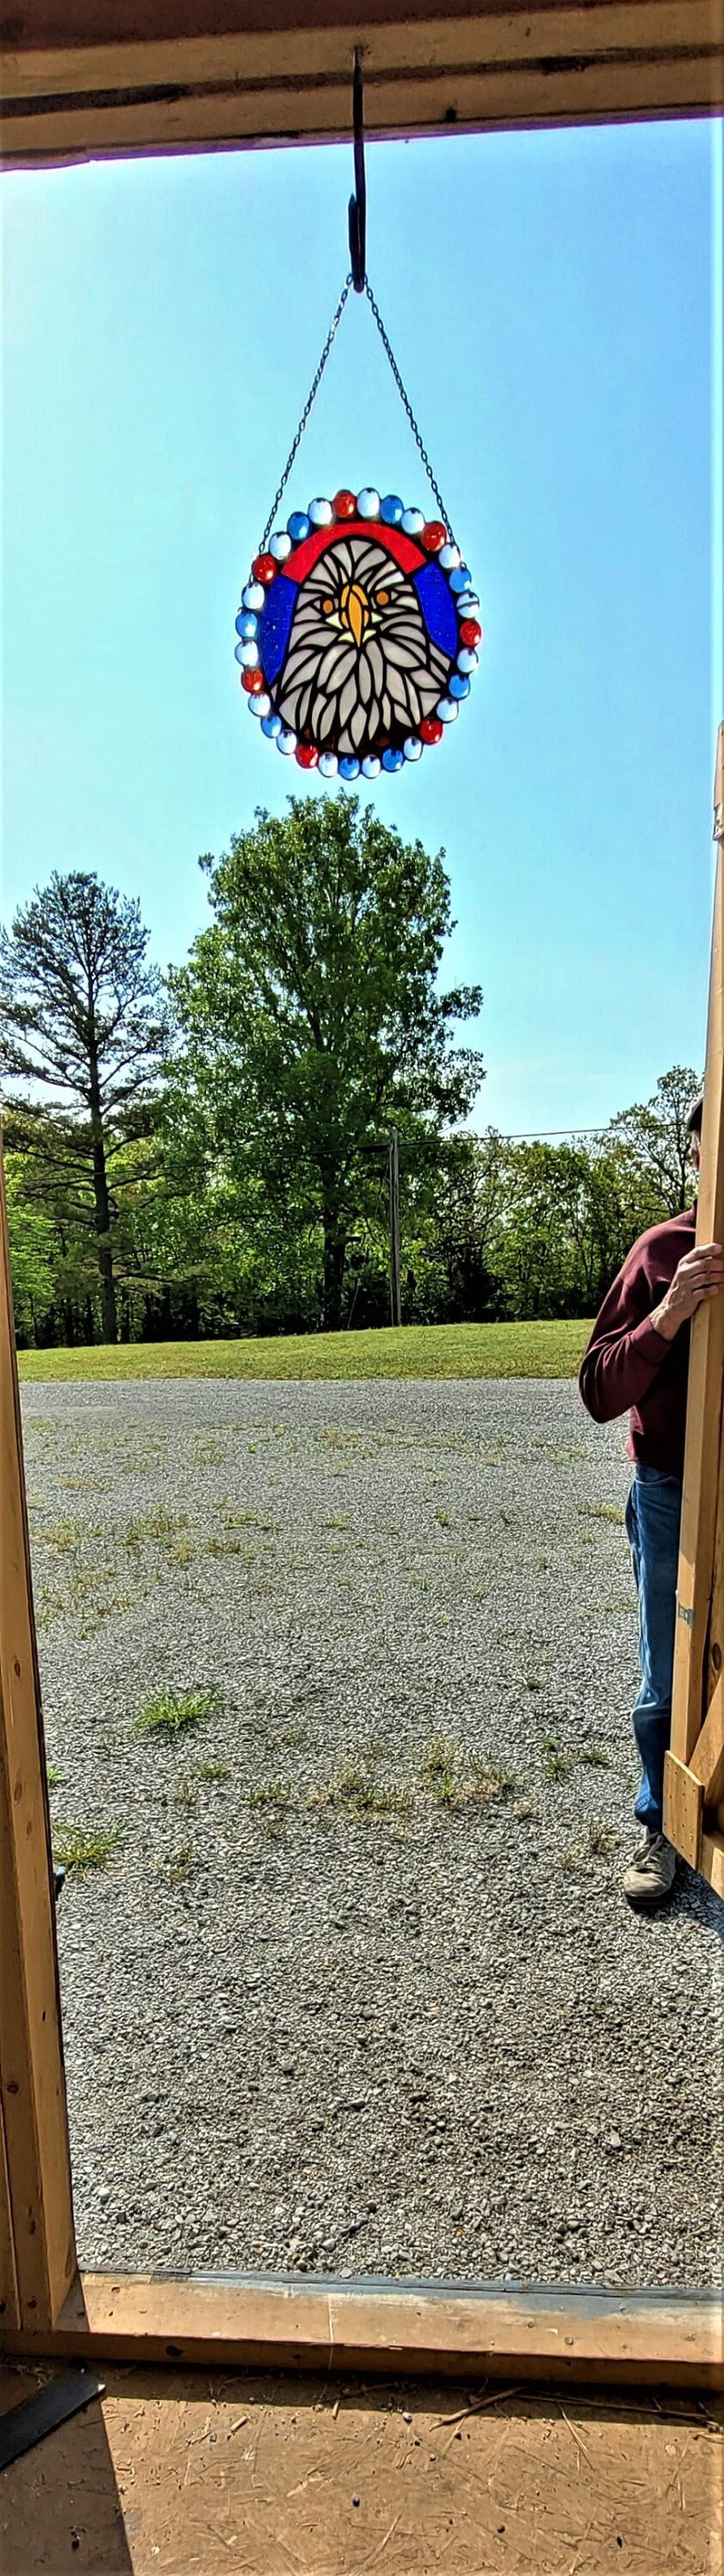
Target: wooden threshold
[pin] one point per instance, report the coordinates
(669, 2339)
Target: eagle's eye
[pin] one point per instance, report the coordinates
(328, 605)
(383, 599)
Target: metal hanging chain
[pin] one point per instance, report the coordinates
(312, 394)
(407, 406)
(311, 397)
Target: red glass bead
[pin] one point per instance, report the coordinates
(345, 505)
(433, 536)
(431, 729)
(306, 755)
(264, 568)
(470, 633)
(253, 682)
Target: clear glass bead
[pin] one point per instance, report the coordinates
(253, 596)
(320, 514)
(328, 764)
(368, 503)
(413, 747)
(447, 710)
(261, 704)
(371, 766)
(281, 545)
(286, 742)
(412, 522)
(449, 557)
(467, 661)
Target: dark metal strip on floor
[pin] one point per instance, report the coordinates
(24, 2425)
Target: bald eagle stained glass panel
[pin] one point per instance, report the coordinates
(358, 634)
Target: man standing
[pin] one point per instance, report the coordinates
(638, 1358)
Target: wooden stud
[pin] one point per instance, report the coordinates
(707, 1760)
(701, 1491)
(683, 1810)
(711, 1859)
(32, 2083)
(9, 2303)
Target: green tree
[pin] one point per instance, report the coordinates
(310, 1018)
(82, 1021)
(653, 1133)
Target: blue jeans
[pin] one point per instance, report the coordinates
(653, 1515)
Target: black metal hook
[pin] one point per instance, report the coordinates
(358, 203)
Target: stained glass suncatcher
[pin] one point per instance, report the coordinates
(358, 635)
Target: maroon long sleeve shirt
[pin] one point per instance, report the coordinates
(628, 1364)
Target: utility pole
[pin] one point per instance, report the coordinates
(395, 1305)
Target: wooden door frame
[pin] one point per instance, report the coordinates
(694, 1768)
(46, 2306)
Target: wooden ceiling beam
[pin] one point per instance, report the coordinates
(175, 75)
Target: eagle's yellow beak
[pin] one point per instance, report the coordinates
(355, 610)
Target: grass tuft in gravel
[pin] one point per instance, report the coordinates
(171, 1711)
(558, 1765)
(356, 1791)
(600, 1841)
(79, 1848)
(452, 1787)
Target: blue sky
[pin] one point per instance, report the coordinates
(554, 304)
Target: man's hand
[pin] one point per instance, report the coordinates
(700, 1275)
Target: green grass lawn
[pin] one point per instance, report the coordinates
(416, 1350)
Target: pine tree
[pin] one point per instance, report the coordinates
(83, 1032)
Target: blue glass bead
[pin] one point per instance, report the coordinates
(467, 661)
(298, 526)
(368, 504)
(261, 704)
(246, 625)
(449, 558)
(392, 759)
(271, 726)
(447, 710)
(392, 511)
(413, 747)
(458, 686)
(328, 764)
(460, 578)
(253, 596)
(321, 514)
(371, 766)
(349, 768)
(281, 545)
(286, 741)
(412, 522)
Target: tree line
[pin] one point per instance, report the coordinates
(205, 1153)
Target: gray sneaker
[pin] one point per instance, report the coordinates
(649, 1879)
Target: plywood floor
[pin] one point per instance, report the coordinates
(183, 2474)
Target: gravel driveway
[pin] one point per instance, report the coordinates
(356, 1990)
